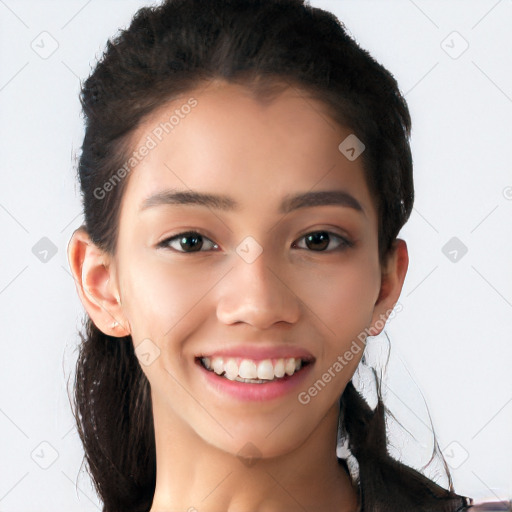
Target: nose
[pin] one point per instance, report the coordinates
(258, 293)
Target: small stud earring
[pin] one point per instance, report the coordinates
(115, 323)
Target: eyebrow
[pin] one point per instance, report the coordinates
(226, 203)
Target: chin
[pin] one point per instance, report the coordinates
(251, 444)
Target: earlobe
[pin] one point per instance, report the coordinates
(393, 277)
(92, 271)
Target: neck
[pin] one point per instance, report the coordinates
(193, 475)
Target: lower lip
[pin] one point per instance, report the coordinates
(256, 392)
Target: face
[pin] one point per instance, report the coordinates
(254, 276)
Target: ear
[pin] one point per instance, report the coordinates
(392, 280)
(94, 274)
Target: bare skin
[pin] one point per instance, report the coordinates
(292, 294)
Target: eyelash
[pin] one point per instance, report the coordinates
(345, 243)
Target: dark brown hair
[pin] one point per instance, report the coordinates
(265, 45)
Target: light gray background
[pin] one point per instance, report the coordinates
(452, 339)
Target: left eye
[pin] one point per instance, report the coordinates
(322, 239)
(193, 241)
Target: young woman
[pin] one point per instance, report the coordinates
(245, 173)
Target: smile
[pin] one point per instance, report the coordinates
(253, 371)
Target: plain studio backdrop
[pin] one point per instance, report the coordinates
(450, 341)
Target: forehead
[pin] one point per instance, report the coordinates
(221, 140)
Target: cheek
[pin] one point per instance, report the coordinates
(160, 295)
(342, 296)
(343, 301)
(164, 306)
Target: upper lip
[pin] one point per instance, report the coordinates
(261, 352)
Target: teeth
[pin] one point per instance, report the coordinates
(279, 368)
(217, 364)
(247, 370)
(231, 369)
(289, 366)
(265, 370)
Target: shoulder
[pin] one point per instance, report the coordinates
(490, 506)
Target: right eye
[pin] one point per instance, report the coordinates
(187, 242)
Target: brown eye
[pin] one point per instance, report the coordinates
(191, 241)
(318, 241)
